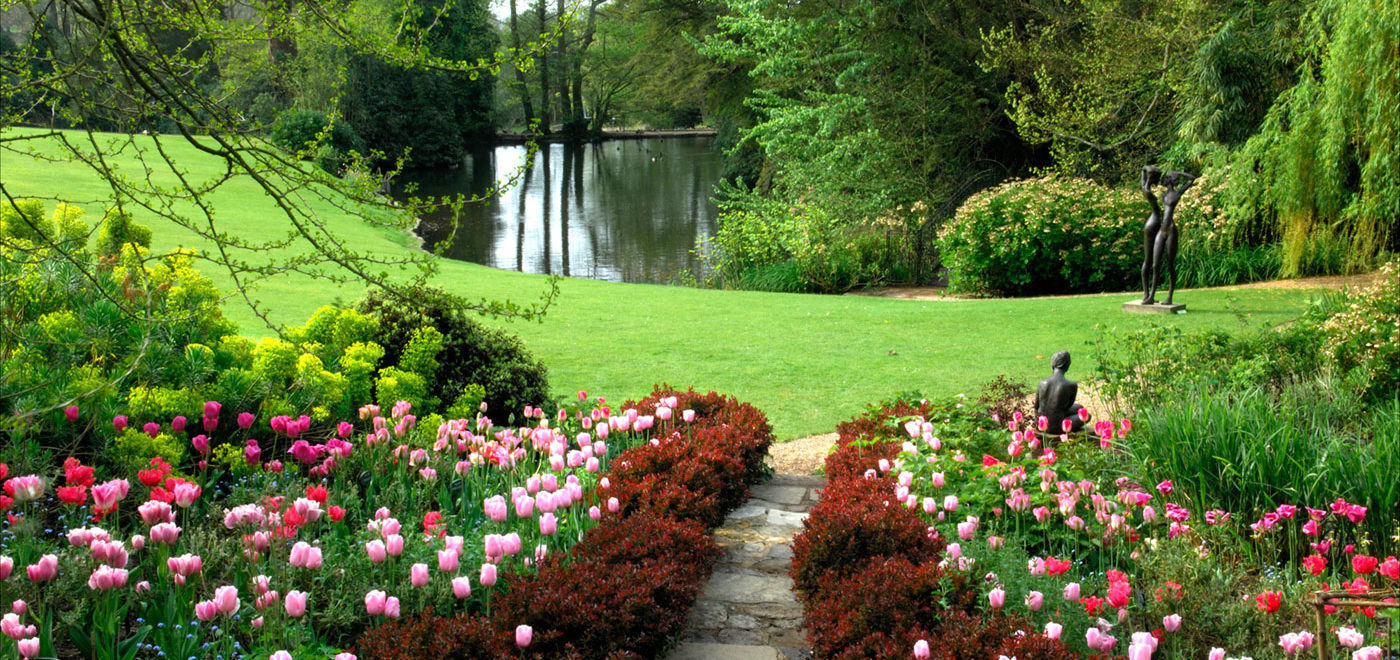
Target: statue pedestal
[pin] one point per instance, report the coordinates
(1136, 307)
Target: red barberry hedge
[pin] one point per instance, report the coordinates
(868, 573)
(625, 589)
(853, 524)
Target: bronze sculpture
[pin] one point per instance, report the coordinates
(1160, 233)
(1054, 398)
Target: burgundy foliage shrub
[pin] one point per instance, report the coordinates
(427, 635)
(854, 522)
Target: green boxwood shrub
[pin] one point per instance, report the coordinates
(298, 130)
(1045, 236)
(471, 352)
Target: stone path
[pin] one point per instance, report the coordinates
(747, 610)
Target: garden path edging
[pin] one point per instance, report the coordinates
(747, 610)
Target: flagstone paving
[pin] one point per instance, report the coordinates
(747, 611)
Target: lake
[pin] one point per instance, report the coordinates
(622, 210)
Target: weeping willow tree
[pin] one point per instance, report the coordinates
(1325, 168)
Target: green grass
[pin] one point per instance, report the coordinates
(808, 361)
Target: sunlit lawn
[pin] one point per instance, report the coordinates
(808, 361)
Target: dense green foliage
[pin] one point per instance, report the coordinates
(1325, 162)
(472, 360)
(765, 245)
(300, 131)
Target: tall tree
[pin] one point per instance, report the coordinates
(521, 87)
(546, 119)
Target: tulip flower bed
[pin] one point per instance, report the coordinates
(625, 589)
(540, 539)
(945, 533)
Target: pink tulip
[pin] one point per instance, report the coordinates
(374, 602)
(245, 420)
(226, 597)
(997, 597)
(488, 575)
(29, 647)
(299, 553)
(448, 561)
(26, 488)
(1216, 653)
(165, 533)
(418, 575)
(1171, 622)
(394, 545)
(106, 577)
(511, 543)
(206, 610)
(613, 505)
(1034, 600)
(1053, 630)
(185, 565)
(921, 650)
(688, 415)
(967, 530)
(7, 566)
(71, 413)
(119, 422)
(523, 635)
(1072, 591)
(391, 607)
(105, 496)
(19, 607)
(280, 655)
(950, 503)
(494, 547)
(155, 511)
(549, 525)
(461, 586)
(345, 656)
(1350, 638)
(376, 551)
(44, 570)
(1368, 653)
(1140, 652)
(295, 603)
(151, 428)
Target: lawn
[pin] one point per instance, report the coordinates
(808, 361)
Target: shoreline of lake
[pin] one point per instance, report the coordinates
(509, 139)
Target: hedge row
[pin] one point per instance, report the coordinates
(624, 590)
(868, 571)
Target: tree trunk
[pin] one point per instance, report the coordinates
(281, 49)
(545, 118)
(578, 108)
(563, 56)
(521, 87)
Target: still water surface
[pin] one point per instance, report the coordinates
(624, 210)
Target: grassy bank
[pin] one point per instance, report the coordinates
(808, 361)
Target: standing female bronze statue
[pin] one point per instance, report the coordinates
(1151, 176)
(1163, 255)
